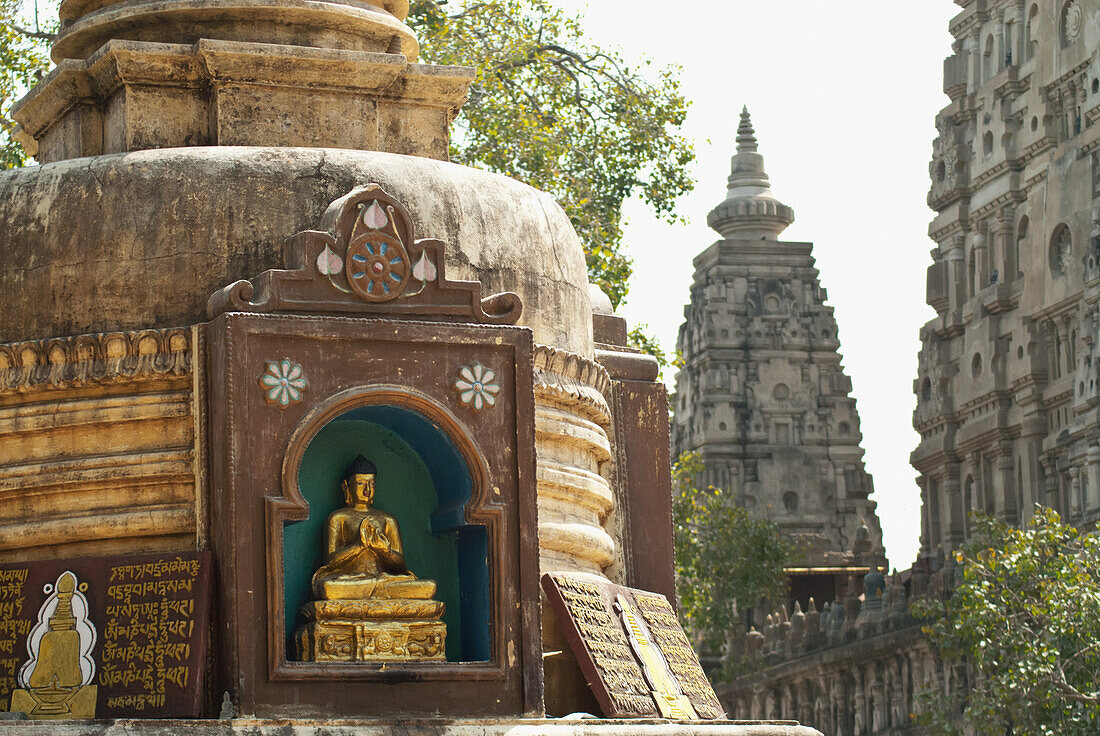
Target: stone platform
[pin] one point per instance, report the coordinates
(517, 727)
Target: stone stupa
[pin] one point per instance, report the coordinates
(183, 142)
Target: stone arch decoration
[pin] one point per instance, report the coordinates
(1072, 20)
(1061, 250)
(382, 372)
(365, 260)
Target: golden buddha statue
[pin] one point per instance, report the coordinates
(368, 606)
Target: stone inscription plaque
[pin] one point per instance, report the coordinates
(618, 653)
(142, 628)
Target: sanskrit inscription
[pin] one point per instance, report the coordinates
(625, 689)
(682, 660)
(149, 634)
(15, 624)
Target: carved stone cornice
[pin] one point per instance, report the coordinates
(990, 173)
(559, 373)
(1043, 144)
(954, 228)
(110, 357)
(967, 21)
(1051, 88)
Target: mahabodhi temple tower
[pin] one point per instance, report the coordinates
(1007, 386)
(762, 395)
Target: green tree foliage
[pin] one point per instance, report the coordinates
(641, 339)
(23, 55)
(573, 120)
(1025, 617)
(727, 559)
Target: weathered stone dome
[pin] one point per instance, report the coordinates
(141, 240)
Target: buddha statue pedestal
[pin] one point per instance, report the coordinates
(372, 630)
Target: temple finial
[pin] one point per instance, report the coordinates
(750, 210)
(746, 136)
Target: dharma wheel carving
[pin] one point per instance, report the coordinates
(366, 261)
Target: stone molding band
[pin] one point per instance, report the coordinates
(560, 375)
(110, 357)
(107, 357)
(572, 418)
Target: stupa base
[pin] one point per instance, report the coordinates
(494, 727)
(372, 641)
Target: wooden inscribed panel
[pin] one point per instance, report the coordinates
(142, 624)
(631, 649)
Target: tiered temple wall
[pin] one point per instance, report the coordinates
(1007, 386)
(1008, 383)
(861, 666)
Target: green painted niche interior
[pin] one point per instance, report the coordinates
(404, 489)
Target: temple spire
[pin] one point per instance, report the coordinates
(746, 136)
(750, 211)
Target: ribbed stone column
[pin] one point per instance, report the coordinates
(572, 420)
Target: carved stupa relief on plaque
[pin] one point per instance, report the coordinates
(57, 680)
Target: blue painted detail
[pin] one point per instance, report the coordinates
(403, 440)
(395, 261)
(359, 276)
(385, 286)
(370, 287)
(358, 258)
(370, 249)
(395, 277)
(453, 487)
(473, 593)
(382, 249)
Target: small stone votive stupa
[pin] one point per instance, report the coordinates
(182, 143)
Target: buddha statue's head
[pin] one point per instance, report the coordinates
(358, 482)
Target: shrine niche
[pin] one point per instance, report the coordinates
(375, 500)
(368, 606)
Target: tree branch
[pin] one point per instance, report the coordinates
(1059, 682)
(33, 34)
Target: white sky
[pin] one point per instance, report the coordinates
(843, 96)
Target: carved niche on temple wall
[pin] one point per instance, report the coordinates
(948, 165)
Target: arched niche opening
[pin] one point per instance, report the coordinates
(426, 483)
(1031, 33)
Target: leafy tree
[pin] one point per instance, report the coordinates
(23, 56)
(565, 117)
(727, 560)
(641, 339)
(1024, 620)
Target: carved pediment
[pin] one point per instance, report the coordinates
(366, 261)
